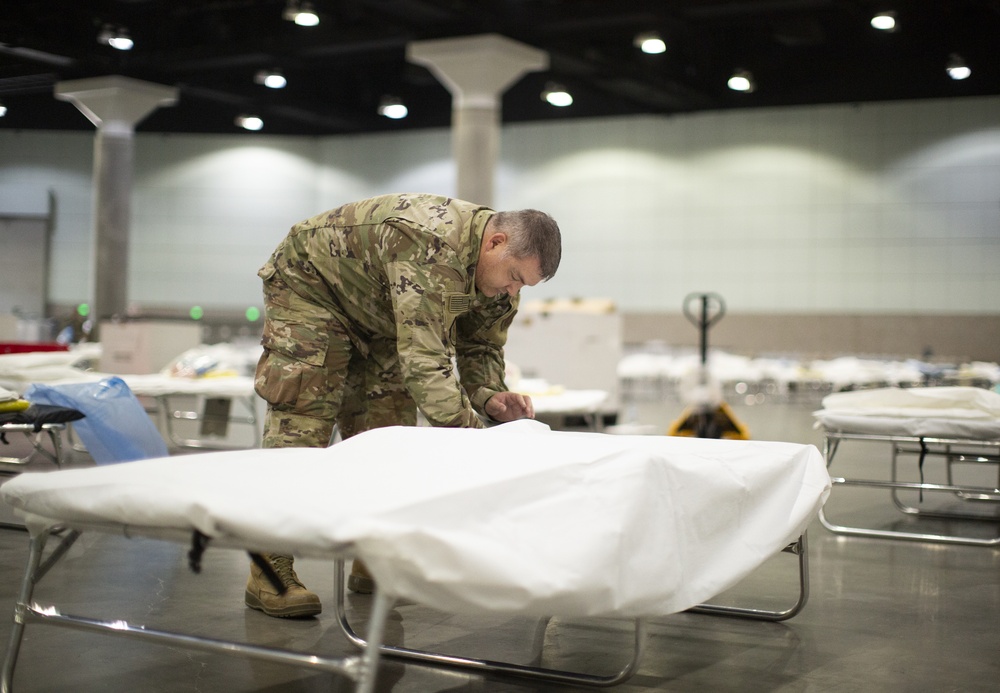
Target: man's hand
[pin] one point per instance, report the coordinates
(509, 406)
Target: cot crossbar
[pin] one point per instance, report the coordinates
(349, 666)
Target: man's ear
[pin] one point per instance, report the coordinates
(496, 240)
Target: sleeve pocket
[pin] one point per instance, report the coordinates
(279, 378)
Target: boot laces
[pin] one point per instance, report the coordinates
(283, 567)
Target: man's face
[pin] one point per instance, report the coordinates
(499, 272)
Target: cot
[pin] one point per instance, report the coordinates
(168, 392)
(38, 422)
(516, 518)
(562, 403)
(167, 396)
(952, 425)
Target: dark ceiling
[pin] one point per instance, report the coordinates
(799, 51)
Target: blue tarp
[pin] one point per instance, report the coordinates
(116, 428)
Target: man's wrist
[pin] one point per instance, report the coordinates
(481, 397)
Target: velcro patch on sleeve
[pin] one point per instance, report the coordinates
(457, 303)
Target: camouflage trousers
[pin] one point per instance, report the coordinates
(313, 376)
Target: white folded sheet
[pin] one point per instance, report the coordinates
(515, 518)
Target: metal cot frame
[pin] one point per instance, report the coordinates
(169, 413)
(362, 669)
(952, 451)
(51, 430)
(799, 548)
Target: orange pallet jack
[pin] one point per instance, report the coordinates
(708, 415)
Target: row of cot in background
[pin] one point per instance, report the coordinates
(657, 373)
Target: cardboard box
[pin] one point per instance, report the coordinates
(145, 346)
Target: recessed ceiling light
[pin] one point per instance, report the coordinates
(557, 95)
(742, 80)
(884, 21)
(302, 14)
(116, 37)
(249, 122)
(957, 69)
(650, 42)
(392, 107)
(271, 78)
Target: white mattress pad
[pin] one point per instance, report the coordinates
(514, 518)
(158, 384)
(958, 413)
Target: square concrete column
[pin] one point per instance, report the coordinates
(114, 105)
(477, 70)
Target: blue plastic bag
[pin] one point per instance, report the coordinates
(116, 427)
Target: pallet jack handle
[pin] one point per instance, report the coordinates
(701, 419)
(713, 308)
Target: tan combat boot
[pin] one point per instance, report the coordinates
(360, 580)
(262, 595)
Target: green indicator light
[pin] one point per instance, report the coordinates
(83, 310)
(253, 314)
(196, 312)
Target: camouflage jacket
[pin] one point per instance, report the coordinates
(403, 267)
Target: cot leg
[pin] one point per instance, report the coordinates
(36, 546)
(799, 548)
(53, 432)
(54, 435)
(894, 477)
(830, 446)
(376, 631)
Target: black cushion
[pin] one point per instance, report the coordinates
(41, 414)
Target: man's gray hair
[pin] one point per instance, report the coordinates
(531, 233)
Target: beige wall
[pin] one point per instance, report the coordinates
(949, 337)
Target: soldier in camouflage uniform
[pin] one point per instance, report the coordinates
(368, 307)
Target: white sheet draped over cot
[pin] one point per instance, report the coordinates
(515, 518)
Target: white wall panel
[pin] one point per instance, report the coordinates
(363, 166)
(832, 208)
(889, 207)
(208, 211)
(62, 163)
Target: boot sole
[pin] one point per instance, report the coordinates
(294, 611)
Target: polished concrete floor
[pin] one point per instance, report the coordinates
(883, 615)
